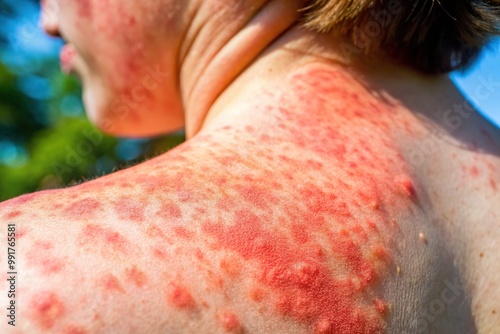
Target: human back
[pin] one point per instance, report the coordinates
(305, 204)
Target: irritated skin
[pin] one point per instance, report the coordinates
(300, 214)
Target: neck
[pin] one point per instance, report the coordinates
(219, 47)
(262, 47)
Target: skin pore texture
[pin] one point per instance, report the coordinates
(314, 195)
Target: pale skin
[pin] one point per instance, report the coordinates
(317, 193)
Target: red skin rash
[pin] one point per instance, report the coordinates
(301, 230)
(300, 279)
(111, 284)
(474, 171)
(256, 197)
(125, 185)
(84, 9)
(170, 211)
(105, 237)
(231, 267)
(493, 171)
(381, 306)
(257, 295)
(41, 256)
(406, 186)
(230, 322)
(129, 209)
(46, 309)
(493, 184)
(12, 215)
(16, 203)
(159, 253)
(345, 219)
(183, 232)
(21, 232)
(179, 296)
(73, 330)
(84, 207)
(479, 171)
(155, 232)
(136, 277)
(199, 255)
(25, 199)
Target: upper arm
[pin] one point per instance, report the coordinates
(83, 268)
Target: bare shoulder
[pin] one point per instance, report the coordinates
(138, 251)
(478, 178)
(461, 163)
(83, 252)
(217, 237)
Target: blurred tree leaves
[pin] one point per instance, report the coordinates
(50, 148)
(16, 110)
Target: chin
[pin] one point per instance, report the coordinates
(131, 131)
(118, 118)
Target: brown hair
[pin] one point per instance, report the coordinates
(432, 36)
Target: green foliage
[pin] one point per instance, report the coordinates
(50, 149)
(17, 120)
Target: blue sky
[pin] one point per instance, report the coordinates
(481, 83)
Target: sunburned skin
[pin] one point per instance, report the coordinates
(318, 192)
(141, 73)
(299, 215)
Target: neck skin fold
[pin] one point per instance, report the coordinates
(219, 48)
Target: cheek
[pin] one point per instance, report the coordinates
(84, 8)
(111, 36)
(126, 68)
